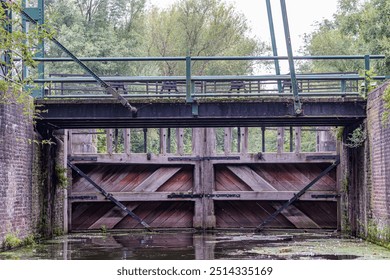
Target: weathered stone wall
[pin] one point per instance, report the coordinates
(31, 198)
(365, 184)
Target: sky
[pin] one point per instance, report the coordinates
(302, 15)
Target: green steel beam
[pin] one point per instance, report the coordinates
(210, 58)
(297, 102)
(37, 14)
(8, 28)
(273, 41)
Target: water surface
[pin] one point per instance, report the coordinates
(189, 245)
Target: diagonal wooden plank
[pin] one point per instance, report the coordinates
(157, 179)
(297, 217)
(251, 178)
(112, 217)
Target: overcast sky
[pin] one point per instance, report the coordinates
(302, 15)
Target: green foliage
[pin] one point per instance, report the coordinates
(356, 138)
(386, 105)
(358, 27)
(61, 177)
(11, 241)
(199, 28)
(103, 228)
(378, 235)
(17, 46)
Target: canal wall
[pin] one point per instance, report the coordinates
(31, 203)
(365, 183)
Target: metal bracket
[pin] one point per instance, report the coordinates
(322, 157)
(318, 196)
(110, 197)
(184, 195)
(81, 158)
(83, 197)
(203, 158)
(297, 196)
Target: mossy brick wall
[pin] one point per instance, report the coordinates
(16, 167)
(30, 201)
(366, 179)
(379, 157)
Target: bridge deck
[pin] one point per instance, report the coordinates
(229, 112)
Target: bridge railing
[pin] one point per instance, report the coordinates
(193, 87)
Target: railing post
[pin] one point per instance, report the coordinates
(188, 80)
(367, 66)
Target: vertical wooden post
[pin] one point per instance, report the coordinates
(340, 181)
(145, 130)
(244, 140)
(109, 134)
(127, 141)
(69, 142)
(208, 178)
(163, 141)
(298, 136)
(180, 140)
(239, 139)
(65, 166)
(227, 141)
(263, 139)
(197, 145)
(169, 141)
(280, 140)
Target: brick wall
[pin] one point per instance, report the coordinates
(379, 155)
(366, 197)
(15, 172)
(31, 203)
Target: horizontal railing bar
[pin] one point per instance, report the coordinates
(210, 58)
(205, 78)
(303, 94)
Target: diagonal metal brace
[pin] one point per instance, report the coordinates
(110, 197)
(102, 83)
(297, 196)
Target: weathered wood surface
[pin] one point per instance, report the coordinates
(156, 214)
(249, 214)
(251, 178)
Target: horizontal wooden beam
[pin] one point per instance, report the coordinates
(279, 196)
(328, 157)
(163, 196)
(125, 196)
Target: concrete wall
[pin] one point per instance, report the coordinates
(365, 183)
(31, 202)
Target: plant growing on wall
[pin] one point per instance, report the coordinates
(17, 50)
(356, 138)
(386, 105)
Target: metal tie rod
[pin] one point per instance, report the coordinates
(110, 197)
(297, 196)
(102, 83)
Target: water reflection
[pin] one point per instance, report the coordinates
(188, 245)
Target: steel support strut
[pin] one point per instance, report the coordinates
(102, 83)
(294, 85)
(109, 196)
(297, 196)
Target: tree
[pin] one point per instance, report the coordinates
(101, 28)
(200, 28)
(358, 27)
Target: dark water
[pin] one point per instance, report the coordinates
(187, 245)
